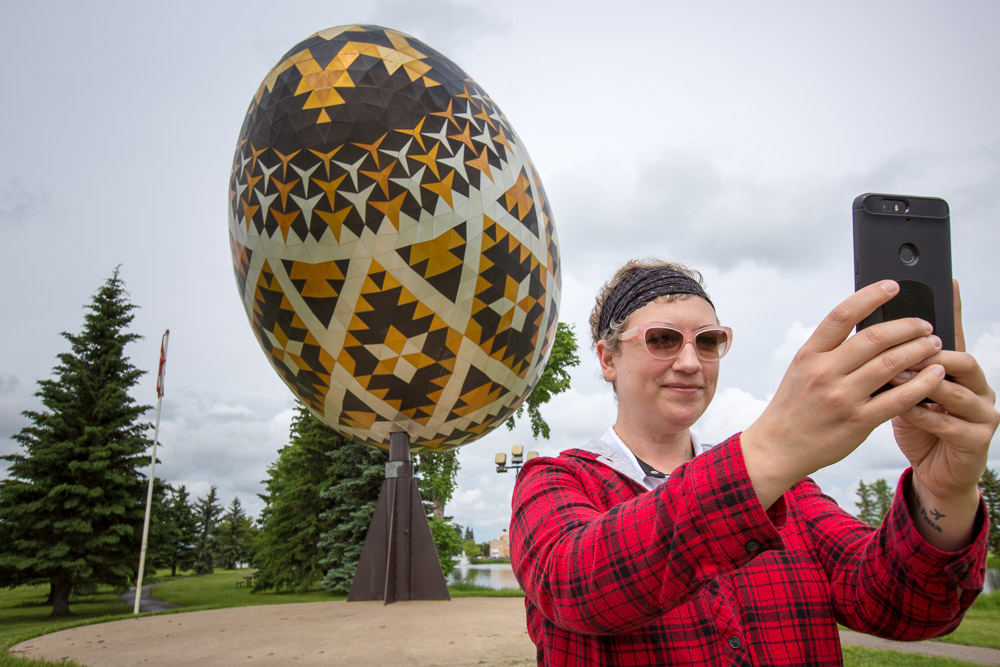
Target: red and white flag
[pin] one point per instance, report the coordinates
(163, 364)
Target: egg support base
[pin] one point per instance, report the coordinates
(399, 560)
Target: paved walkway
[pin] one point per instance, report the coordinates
(146, 601)
(974, 654)
(464, 631)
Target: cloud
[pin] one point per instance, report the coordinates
(205, 442)
(447, 26)
(20, 203)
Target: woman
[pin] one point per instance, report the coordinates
(646, 548)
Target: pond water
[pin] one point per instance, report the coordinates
(992, 580)
(499, 575)
(489, 575)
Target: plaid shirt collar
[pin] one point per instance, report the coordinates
(615, 454)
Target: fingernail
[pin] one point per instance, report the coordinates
(928, 327)
(904, 376)
(936, 342)
(938, 370)
(889, 286)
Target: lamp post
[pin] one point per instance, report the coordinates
(517, 459)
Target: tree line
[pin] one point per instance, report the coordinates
(875, 499)
(73, 502)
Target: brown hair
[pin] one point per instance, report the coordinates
(611, 337)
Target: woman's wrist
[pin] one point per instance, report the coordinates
(945, 521)
(769, 476)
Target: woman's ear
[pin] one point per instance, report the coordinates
(607, 360)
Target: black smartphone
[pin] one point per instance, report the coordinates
(906, 239)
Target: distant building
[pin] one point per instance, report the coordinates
(500, 547)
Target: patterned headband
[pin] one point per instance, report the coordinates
(641, 286)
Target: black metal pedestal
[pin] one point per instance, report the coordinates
(399, 560)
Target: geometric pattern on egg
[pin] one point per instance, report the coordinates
(391, 240)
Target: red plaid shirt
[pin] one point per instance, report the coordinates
(696, 572)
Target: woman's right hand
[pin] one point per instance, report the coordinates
(824, 408)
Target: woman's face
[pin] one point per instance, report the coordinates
(658, 396)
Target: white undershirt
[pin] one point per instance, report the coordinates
(611, 438)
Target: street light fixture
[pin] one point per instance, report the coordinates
(517, 459)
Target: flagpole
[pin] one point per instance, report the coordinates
(152, 470)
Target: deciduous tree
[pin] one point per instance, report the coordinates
(554, 380)
(437, 476)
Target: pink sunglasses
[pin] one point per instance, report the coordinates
(665, 342)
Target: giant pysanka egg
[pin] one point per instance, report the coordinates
(392, 242)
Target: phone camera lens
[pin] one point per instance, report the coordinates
(892, 206)
(908, 254)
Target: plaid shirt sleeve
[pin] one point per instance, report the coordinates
(696, 572)
(890, 582)
(596, 570)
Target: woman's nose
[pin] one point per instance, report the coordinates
(687, 360)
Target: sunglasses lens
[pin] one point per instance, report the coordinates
(663, 343)
(712, 344)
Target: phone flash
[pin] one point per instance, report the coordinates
(892, 206)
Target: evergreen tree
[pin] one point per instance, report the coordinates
(553, 380)
(355, 475)
(469, 534)
(207, 512)
(990, 486)
(881, 499)
(288, 553)
(874, 501)
(185, 522)
(163, 530)
(233, 537)
(72, 508)
(866, 504)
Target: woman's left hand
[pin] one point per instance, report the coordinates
(947, 443)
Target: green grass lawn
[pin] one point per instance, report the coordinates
(981, 626)
(24, 614)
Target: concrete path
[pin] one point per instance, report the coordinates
(974, 654)
(146, 601)
(464, 631)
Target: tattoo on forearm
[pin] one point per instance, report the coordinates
(937, 516)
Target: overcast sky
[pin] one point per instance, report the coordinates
(731, 136)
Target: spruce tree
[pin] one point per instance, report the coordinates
(288, 555)
(232, 540)
(72, 508)
(207, 512)
(163, 530)
(355, 476)
(990, 486)
(866, 504)
(881, 499)
(184, 519)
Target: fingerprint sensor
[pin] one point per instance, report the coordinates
(909, 254)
